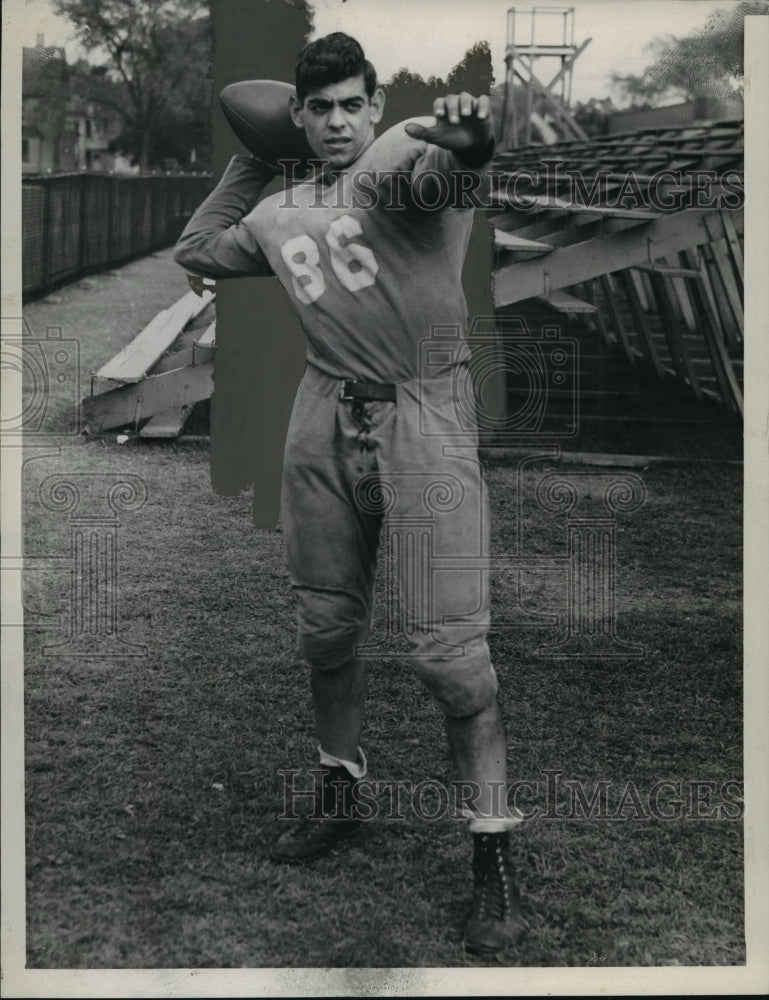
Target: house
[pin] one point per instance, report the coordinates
(70, 116)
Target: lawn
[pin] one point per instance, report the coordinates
(152, 785)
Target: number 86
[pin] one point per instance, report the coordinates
(353, 264)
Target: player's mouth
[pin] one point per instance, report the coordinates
(338, 142)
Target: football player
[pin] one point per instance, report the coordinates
(370, 248)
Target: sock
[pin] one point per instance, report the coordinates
(357, 770)
(491, 824)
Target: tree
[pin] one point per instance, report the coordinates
(408, 95)
(160, 50)
(703, 64)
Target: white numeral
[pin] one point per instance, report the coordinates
(353, 263)
(302, 257)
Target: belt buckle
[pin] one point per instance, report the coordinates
(343, 393)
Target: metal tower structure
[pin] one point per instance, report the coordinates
(540, 33)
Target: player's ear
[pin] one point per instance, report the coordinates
(377, 103)
(296, 111)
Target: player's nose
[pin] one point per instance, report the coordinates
(336, 118)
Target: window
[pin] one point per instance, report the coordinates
(25, 151)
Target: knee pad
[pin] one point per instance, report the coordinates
(460, 686)
(330, 628)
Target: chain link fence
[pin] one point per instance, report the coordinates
(73, 224)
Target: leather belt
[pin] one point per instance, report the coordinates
(366, 390)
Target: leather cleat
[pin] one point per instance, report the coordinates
(495, 919)
(332, 819)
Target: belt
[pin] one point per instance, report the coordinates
(350, 389)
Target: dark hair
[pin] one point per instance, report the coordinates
(331, 59)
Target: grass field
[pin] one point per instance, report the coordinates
(152, 784)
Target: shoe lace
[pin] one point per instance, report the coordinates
(496, 889)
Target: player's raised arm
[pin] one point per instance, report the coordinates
(216, 243)
(463, 126)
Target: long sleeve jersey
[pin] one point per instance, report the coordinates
(371, 257)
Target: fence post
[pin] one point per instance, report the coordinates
(81, 187)
(47, 234)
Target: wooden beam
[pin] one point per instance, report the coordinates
(722, 364)
(596, 322)
(730, 324)
(547, 202)
(207, 337)
(722, 263)
(134, 361)
(640, 323)
(166, 425)
(676, 345)
(609, 297)
(508, 241)
(614, 251)
(180, 359)
(552, 102)
(128, 404)
(565, 303)
(668, 272)
(733, 242)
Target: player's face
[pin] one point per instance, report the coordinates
(339, 120)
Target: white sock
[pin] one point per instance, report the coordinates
(491, 824)
(357, 770)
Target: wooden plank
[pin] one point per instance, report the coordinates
(668, 272)
(596, 321)
(719, 251)
(507, 241)
(566, 303)
(673, 297)
(134, 361)
(676, 346)
(641, 290)
(180, 359)
(166, 425)
(128, 404)
(560, 204)
(609, 297)
(640, 324)
(614, 251)
(731, 327)
(733, 242)
(207, 337)
(721, 362)
(680, 289)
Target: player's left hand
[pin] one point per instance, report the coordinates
(463, 124)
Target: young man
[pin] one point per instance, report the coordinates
(370, 249)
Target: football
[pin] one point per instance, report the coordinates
(257, 111)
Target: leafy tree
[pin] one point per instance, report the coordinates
(703, 64)
(160, 50)
(409, 95)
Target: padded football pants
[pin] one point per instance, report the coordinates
(409, 469)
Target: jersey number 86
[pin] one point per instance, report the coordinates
(353, 263)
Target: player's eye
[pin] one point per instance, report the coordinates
(354, 105)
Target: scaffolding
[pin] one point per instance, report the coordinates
(540, 33)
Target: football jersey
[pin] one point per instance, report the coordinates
(371, 256)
